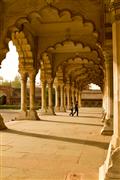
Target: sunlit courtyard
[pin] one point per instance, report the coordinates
(54, 148)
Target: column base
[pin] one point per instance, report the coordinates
(110, 170)
(22, 115)
(107, 128)
(2, 125)
(50, 111)
(43, 111)
(62, 109)
(57, 109)
(68, 108)
(32, 115)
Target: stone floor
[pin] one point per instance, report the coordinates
(55, 148)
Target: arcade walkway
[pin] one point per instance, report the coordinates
(56, 148)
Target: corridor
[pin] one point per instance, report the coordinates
(57, 147)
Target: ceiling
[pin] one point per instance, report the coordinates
(71, 32)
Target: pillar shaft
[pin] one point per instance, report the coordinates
(108, 118)
(56, 96)
(23, 92)
(43, 95)
(32, 112)
(79, 99)
(68, 96)
(62, 97)
(32, 91)
(109, 89)
(50, 104)
(111, 168)
(73, 95)
(116, 70)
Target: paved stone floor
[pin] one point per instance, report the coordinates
(55, 148)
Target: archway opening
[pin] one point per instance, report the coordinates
(92, 96)
(10, 75)
(93, 86)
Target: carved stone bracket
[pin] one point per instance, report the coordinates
(115, 9)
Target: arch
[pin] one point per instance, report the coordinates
(24, 50)
(78, 69)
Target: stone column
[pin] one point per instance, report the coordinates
(43, 97)
(73, 95)
(57, 95)
(108, 124)
(104, 103)
(64, 98)
(77, 94)
(32, 112)
(24, 94)
(62, 108)
(111, 167)
(32, 91)
(116, 70)
(68, 96)
(79, 99)
(50, 103)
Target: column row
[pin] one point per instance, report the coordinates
(64, 96)
(32, 114)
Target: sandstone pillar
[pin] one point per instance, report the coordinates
(24, 94)
(111, 167)
(65, 98)
(104, 103)
(73, 95)
(68, 96)
(79, 99)
(62, 108)
(57, 95)
(116, 70)
(108, 123)
(50, 103)
(43, 97)
(32, 112)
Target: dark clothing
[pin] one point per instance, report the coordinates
(71, 113)
(76, 109)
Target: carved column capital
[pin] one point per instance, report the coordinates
(115, 4)
(50, 80)
(115, 9)
(32, 74)
(23, 76)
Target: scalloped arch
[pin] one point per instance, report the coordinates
(23, 48)
(69, 45)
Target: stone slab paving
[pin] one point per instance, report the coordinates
(55, 148)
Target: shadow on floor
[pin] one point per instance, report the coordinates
(83, 116)
(75, 123)
(102, 145)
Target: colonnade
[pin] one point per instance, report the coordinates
(31, 114)
(65, 94)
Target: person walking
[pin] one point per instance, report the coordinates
(71, 113)
(76, 108)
